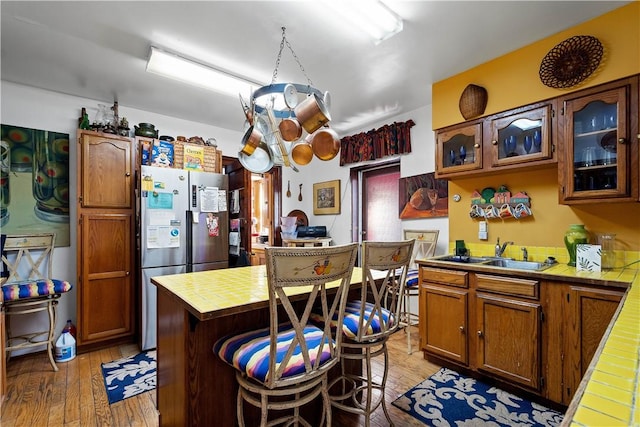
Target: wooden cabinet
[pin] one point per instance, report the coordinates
(520, 137)
(3, 359)
(517, 138)
(533, 334)
(257, 256)
(507, 309)
(105, 239)
(598, 129)
(444, 314)
(589, 311)
(459, 149)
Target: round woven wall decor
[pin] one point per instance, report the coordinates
(571, 61)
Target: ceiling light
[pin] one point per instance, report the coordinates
(371, 16)
(188, 71)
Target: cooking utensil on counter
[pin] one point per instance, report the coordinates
(300, 195)
(288, 188)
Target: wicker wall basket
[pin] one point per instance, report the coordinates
(212, 157)
(473, 101)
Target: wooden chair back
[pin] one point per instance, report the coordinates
(322, 275)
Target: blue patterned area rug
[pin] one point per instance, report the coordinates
(124, 378)
(449, 399)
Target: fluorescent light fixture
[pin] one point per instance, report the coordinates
(188, 71)
(371, 16)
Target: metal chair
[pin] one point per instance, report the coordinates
(425, 247)
(27, 288)
(285, 366)
(368, 323)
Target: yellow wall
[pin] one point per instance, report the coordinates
(512, 80)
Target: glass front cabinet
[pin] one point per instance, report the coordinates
(597, 161)
(459, 149)
(521, 137)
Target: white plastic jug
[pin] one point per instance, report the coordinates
(65, 348)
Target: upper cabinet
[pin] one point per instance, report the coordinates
(522, 137)
(513, 139)
(597, 132)
(459, 149)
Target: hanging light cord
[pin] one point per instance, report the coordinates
(282, 43)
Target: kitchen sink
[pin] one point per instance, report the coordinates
(462, 259)
(518, 265)
(496, 262)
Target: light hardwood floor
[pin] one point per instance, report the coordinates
(75, 395)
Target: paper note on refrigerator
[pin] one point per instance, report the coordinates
(209, 199)
(159, 236)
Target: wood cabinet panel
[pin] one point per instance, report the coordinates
(105, 166)
(509, 344)
(445, 324)
(106, 284)
(445, 277)
(589, 312)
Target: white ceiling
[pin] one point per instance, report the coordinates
(98, 50)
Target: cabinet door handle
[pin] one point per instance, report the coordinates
(494, 142)
(476, 145)
(622, 141)
(127, 174)
(480, 333)
(461, 329)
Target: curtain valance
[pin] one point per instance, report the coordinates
(387, 140)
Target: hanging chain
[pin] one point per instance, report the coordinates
(282, 43)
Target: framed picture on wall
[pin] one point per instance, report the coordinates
(423, 196)
(326, 198)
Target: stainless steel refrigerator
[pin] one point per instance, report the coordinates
(184, 227)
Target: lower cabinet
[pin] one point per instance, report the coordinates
(537, 335)
(258, 256)
(446, 336)
(590, 311)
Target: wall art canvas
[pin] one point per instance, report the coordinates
(423, 196)
(326, 198)
(35, 182)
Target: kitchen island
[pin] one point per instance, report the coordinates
(194, 387)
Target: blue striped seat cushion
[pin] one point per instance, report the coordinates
(352, 316)
(34, 288)
(249, 352)
(412, 278)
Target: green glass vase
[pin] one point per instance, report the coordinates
(575, 235)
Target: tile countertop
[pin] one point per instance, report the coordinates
(216, 293)
(609, 394)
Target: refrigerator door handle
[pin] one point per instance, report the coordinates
(194, 196)
(189, 230)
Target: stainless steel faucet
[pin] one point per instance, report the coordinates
(500, 249)
(525, 254)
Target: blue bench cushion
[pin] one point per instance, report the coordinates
(249, 352)
(351, 319)
(34, 288)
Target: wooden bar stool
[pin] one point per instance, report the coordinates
(27, 288)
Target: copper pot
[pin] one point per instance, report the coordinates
(325, 143)
(312, 113)
(302, 152)
(251, 140)
(290, 129)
